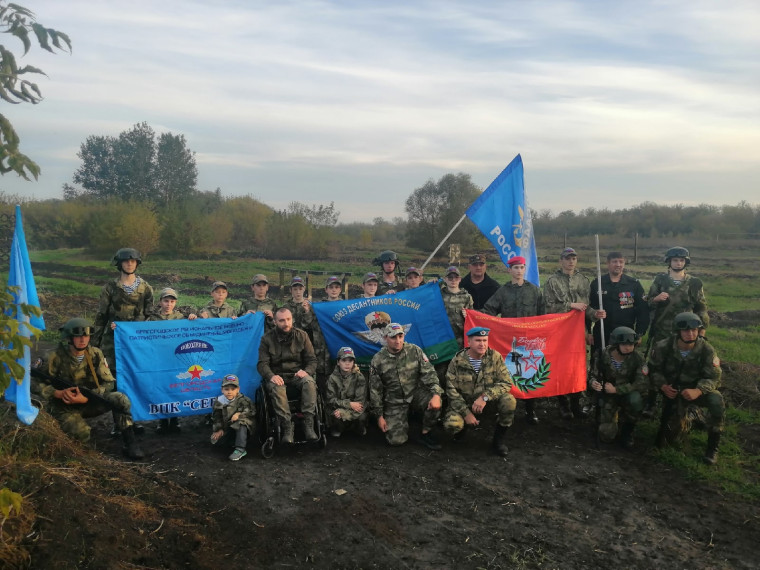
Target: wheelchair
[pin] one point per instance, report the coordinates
(269, 429)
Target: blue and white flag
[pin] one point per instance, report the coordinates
(359, 323)
(20, 276)
(502, 215)
(175, 368)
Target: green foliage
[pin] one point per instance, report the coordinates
(12, 343)
(15, 87)
(114, 223)
(9, 501)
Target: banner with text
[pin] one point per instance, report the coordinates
(545, 355)
(175, 368)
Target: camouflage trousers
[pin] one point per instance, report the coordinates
(349, 420)
(397, 416)
(72, 416)
(678, 415)
(613, 408)
(304, 389)
(108, 347)
(453, 422)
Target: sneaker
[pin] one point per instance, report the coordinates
(238, 454)
(430, 441)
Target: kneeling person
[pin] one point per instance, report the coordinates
(623, 382)
(84, 367)
(346, 395)
(476, 376)
(402, 379)
(234, 417)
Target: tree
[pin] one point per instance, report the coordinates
(14, 87)
(318, 216)
(176, 172)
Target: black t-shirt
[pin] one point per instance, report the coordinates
(480, 292)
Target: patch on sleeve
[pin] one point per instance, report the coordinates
(716, 361)
(645, 370)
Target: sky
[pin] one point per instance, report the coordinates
(610, 104)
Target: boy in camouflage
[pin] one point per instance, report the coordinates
(261, 301)
(402, 379)
(687, 371)
(300, 306)
(389, 282)
(413, 278)
(218, 308)
(369, 286)
(166, 310)
(623, 380)
(333, 291)
(234, 416)
(475, 377)
(455, 300)
(346, 395)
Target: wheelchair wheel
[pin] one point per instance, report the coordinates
(323, 440)
(267, 448)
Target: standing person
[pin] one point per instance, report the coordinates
(286, 358)
(687, 371)
(413, 278)
(300, 306)
(402, 379)
(568, 290)
(167, 307)
(516, 299)
(456, 300)
(85, 367)
(478, 283)
(347, 395)
(126, 298)
(333, 292)
(389, 281)
(369, 286)
(218, 308)
(477, 376)
(261, 301)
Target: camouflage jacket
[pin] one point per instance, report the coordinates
(286, 354)
(225, 311)
(700, 368)
(224, 409)
(342, 389)
(256, 305)
(159, 316)
(454, 303)
(515, 301)
(394, 377)
(561, 289)
(633, 375)
(464, 386)
(64, 365)
(688, 296)
(383, 287)
(116, 304)
(302, 319)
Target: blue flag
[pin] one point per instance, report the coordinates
(358, 323)
(20, 276)
(175, 368)
(502, 215)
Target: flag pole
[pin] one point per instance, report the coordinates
(448, 235)
(599, 287)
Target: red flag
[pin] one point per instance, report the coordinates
(546, 355)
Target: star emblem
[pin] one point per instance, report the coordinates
(195, 372)
(531, 361)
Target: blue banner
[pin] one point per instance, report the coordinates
(502, 215)
(175, 368)
(358, 323)
(20, 276)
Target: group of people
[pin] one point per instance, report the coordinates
(625, 382)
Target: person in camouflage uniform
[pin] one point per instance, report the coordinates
(516, 299)
(260, 302)
(389, 281)
(686, 369)
(127, 298)
(80, 364)
(369, 286)
(413, 278)
(286, 359)
(234, 417)
(402, 379)
(346, 395)
(455, 300)
(217, 307)
(623, 379)
(477, 376)
(300, 306)
(333, 291)
(568, 290)
(166, 310)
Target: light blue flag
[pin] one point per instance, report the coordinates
(355, 323)
(20, 275)
(175, 368)
(502, 214)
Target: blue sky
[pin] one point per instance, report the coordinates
(609, 103)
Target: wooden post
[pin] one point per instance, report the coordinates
(635, 247)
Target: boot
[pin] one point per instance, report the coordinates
(499, 443)
(530, 412)
(711, 455)
(564, 408)
(650, 406)
(131, 448)
(286, 431)
(575, 407)
(308, 428)
(626, 435)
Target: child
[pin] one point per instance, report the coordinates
(261, 301)
(346, 395)
(218, 308)
(413, 278)
(455, 300)
(234, 416)
(167, 311)
(300, 306)
(369, 286)
(333, 288)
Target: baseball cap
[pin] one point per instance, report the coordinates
(258, 278)
(370, 277)
(394, 329)
(168, 292)
(346, 352)
(478, 331)
(230, 380)
(332, 279)
(413, 270)
(567, 252)
(478, 258)
(297, 281)
(516, 260)
(453, 269)
(216, 284)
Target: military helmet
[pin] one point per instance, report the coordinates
(124, 254)
(677, 252)
(386, 255)
(76, 327)
(686, 321)
(623, 335)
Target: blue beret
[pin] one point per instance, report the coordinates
(478, 331)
